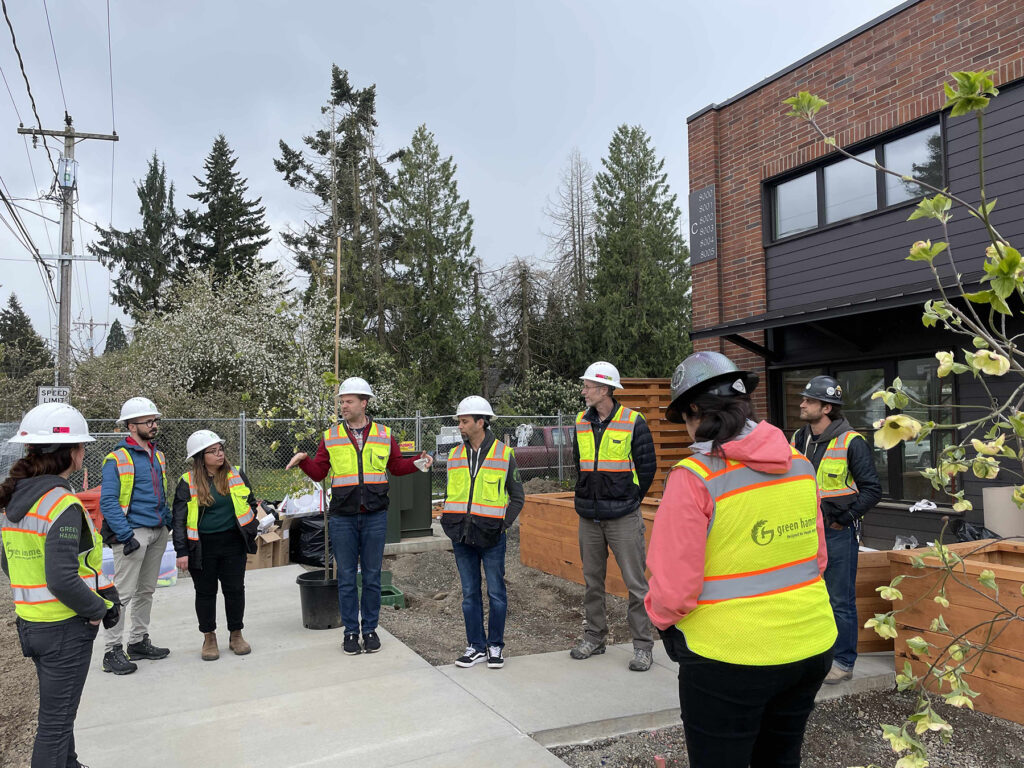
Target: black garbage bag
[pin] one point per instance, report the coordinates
(307, 541)
(965, 531)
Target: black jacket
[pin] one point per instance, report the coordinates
(485, 532)
(193, 550)
(861, 463)
(597, 496)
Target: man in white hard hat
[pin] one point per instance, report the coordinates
(358, 453)
(615, 455)
(136, 521)
(483, 499)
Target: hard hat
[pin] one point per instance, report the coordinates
(474, 405)
(354, 385)
(136, 407)
(200, 440)
(52, 424)
(824, 388)
(707, 373)
(603, 373)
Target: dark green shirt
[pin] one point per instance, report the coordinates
(219, 516)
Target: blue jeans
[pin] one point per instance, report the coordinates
(358, 540)
(841, 582)
(468, 559)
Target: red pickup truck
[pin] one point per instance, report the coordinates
(546, 449)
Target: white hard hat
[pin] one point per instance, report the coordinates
(474, 405)
(136, 407)
(603, 373)
(200, 440)
(354, 385)
(53, 423)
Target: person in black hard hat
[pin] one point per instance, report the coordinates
(848, 485)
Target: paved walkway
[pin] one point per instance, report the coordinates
(298, 701)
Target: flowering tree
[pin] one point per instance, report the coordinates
(987, 446)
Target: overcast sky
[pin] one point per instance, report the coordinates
(508, 90)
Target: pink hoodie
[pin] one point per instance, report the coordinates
(676, 554)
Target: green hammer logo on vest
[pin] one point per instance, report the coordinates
(761, 533)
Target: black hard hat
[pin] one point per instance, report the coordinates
(824, 388)
(704, 373)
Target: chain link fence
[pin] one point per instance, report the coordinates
(262, 447)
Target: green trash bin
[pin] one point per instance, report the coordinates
(409, 505)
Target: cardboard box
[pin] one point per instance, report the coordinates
(264, 557)
(281, 555)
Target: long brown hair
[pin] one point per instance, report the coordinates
(202, 483)
(36, 461)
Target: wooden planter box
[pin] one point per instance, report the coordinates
(872, 571)
(999, 678)
(549, 540)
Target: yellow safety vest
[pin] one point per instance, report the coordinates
(490, 496)
(126, 474)
(25, 547)
(239, 499)
(763, 601)
(350, 468)
(834, 478)
(616, 452)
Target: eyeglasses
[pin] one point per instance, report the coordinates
(214, 450)
(147, 423)
(592, 387)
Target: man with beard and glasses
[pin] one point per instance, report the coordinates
(136, 521)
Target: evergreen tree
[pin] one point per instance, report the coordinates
(433, 231)
(225, 235)
(147, 258)
(22, 350)
(640, 311)
(116, 340)
(519, 302)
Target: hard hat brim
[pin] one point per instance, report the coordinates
(677, 407)
(612, 384)
(52, 439)
(203, 447)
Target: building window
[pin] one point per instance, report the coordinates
(796, 205)
(844, 189)
(920, 380)
(862, 412)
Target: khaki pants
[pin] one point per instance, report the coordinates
(625, 537)
(135, 579)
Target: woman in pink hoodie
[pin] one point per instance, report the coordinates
(736, 558)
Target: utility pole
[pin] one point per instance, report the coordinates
(91, 325)
(67, 184)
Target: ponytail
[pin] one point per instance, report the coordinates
(721, 418)
(38, 460)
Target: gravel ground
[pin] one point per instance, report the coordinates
(841, 732)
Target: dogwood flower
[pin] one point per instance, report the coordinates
(892, 430)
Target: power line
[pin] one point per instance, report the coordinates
(28, 87)
(53, 47)
(16, 111)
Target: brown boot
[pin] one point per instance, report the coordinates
(210, 650)
(237, 643)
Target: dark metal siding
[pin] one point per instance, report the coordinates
(867, 256)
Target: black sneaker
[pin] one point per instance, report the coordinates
(115, 661)
(494, 658)
(144, 649)
(470, 657)
(371, 643)
(351, 644)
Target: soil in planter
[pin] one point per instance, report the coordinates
(841, 732)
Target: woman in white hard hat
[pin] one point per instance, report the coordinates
(214, 529)
(54, 559)
(736, 558)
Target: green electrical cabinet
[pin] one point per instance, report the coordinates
(409, 505)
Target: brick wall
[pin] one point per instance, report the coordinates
(884, 77)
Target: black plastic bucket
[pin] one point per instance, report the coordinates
(319, 597)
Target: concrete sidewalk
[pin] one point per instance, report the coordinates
(297, 700)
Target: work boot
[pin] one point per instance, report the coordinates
(210, 650)
(237, 643)
(585, 648)
(144, 649)
(115, 661)
(837, 675)
(641, 661)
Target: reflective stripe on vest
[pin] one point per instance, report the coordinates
(25, 546)
(834, 478)
(126, 474)
(490, 496)
(761, 576)
(616, 451)
(347, 465)
(239, 492)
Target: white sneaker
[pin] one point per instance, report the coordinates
(494, 658)
(470, 657)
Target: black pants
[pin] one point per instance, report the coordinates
(737, 716)
(224, 562)
(61, 653)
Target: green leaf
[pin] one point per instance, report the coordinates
(979, 343)
(919, 646)
(939, 624)
(988, 579)
(804, 105)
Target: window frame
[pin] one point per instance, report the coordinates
(876, 143)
